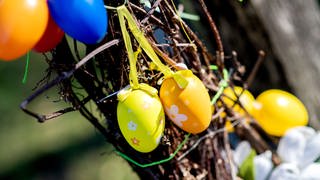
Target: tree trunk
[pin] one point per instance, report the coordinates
(294, 28)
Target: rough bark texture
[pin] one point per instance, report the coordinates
(294, 28)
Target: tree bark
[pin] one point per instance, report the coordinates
(294, 28)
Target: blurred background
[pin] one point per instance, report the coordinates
(67, 147)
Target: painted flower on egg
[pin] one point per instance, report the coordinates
(173, 113)
(141, 119)
(147, 102)
(132, 126)
(186, 104)
(135, 141)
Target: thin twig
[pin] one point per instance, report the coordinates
(165, 57)
(63, 76)
(95, 52)
(255, 69)
(151, 11)
(212, 26)
(152, 17)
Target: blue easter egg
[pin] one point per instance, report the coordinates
(84, 20)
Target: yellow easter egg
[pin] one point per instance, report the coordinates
(277, 111)
(189, 107)
(246, 99)
(141, 119)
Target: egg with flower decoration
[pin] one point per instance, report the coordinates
(186, 101)
(141, 117)
(277, 111)
(246, 99)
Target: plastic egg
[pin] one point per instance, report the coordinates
(278, 111)
(141, 119)
(22, 23)
(84, 20)
(189, 107)
(50, 38)
(246, 99)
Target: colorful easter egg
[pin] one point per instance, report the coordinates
(277, 111)
(141, 119)
(246, 99)
(188, 107)
(51, 37)
(84, 20)
(22, 23)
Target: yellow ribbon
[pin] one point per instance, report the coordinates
(124, 93)
(127, 41)
(133, 57)
(123, 14)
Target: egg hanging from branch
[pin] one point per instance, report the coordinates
(188, 107)
(50, 38)
(141, 118)
(22, 23)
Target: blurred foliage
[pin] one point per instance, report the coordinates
(67, 147)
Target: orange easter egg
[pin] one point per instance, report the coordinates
(188, 107)
(22, 23)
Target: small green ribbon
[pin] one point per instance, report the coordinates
(222, 85)
(26, 69)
